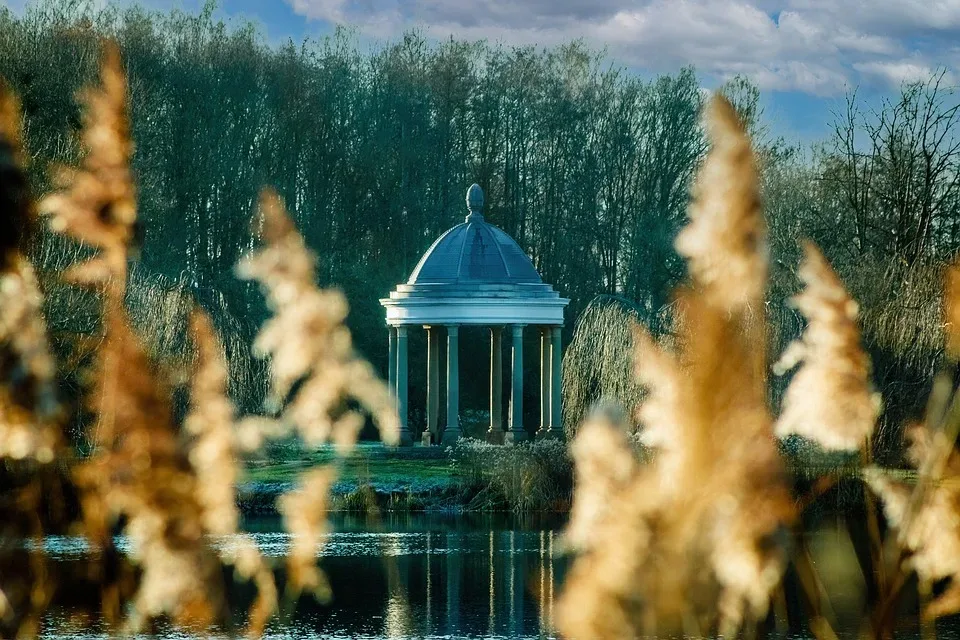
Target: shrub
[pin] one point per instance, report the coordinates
(530, 476)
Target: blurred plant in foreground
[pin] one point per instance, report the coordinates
(697, 540)
(925, 517)
(692, 541)
(169, 484)
(314, 372)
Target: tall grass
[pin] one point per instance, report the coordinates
(697, 540)
(531, 476)
(168, 482)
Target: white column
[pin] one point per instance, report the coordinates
(516, 432)
(545, 346)
(405, 438)
(495, 434)
(452, 431)
(433, 385)
(556, 384)
(392, 360)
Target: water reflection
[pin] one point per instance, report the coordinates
(445, 578)
(405, 577)
(431, 576)
(491, 619)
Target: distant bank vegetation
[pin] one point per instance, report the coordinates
(587, 165)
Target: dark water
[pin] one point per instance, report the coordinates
(429, 576)
(407, 576)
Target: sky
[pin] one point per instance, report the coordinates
(804, 54)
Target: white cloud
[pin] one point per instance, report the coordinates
(332, 10)
(815, 46)
(894, 74)
(820, 47)
(901, 17)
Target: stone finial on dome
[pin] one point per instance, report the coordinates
(475, 203)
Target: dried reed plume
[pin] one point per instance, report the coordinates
(659, 372)
(926, 515)
(609, 590)
(604, 466)
(927, 526)
(693, 543)
(214, 458)
(211, 422)
(27, 393)
(29, 419)
(725, 242)
(830, 399)
(171, 494)
(139, 473)
(310, 349)
(304, 512)
(307, 342)
(96, 204)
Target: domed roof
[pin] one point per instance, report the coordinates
(475, 252)
(474, 274)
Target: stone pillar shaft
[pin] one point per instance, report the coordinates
(402, 407)
(556, 383)
(496, 385)
(545, 346)
(516, 432)
(452, 431)
(392, 360)
(433, 385)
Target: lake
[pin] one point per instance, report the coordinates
(405, 576)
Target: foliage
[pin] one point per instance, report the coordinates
(596, 363)
(529, 476)
(860, 196)
(585, 165)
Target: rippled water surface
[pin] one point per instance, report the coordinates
(429, 576)
(409, 576)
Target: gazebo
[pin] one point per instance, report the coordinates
(475, 274)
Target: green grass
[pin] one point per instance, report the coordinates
(369, 463)
(471, 476)
(476, 476)
(374, 462)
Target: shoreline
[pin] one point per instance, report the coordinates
(474, 476)
(352, 496)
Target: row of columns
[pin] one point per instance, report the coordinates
(550, 384)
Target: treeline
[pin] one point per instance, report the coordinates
(586, 165)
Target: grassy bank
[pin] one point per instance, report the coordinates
(471, 476)
(475, 476)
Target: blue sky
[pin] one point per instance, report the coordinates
(804, 54)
